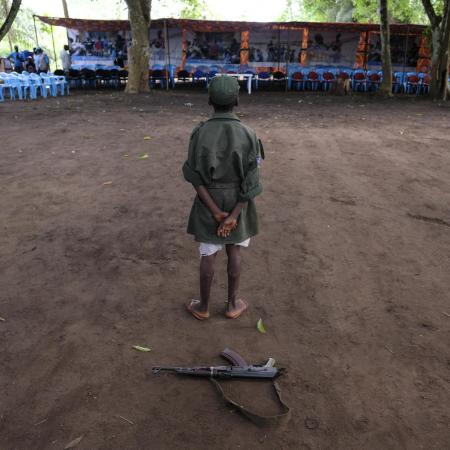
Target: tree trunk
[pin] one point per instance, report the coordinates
(66, 10)
(435, 50)
(5, 8)
(440, 29)
(442, 72)
(15, 6)
(386, 85)
(139, 52)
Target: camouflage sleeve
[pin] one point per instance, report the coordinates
(251, 185)
(190, 172)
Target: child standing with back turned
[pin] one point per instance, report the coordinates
(223, 167)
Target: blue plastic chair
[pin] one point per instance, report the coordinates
(359, 81)
(297, 79)
(49, 84)
(26, 86)
(312, 80)
(230, 68)
(37, 85)
(12, 83)
(171, 69)
(397, 82)
(212, 74)
(199, 76)
(411, 83)
(158, 76)
(374, 79)
(184, 76)
(346, 70)
(262, 77)
(328, 77)
(424, 87)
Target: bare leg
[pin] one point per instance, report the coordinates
(207, 264)
(199, 308)
(235, 305)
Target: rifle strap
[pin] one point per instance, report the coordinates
(254, 417)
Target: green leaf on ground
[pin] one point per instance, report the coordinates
(260, 326)
(144, 156)
(73, 443)
(142, 349)
(147, 138)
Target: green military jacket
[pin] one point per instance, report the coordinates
(224, 155)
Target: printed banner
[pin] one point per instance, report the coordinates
(335, 49)
(404, 51)
(213, 48)
(275, 48)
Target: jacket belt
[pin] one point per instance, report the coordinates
(228, 185)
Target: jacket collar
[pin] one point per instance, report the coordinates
(225, 115)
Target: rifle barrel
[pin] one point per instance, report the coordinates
(165, 369)
(224, 371)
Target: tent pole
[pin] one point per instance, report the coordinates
(167, 56)
(366, 51)
(54, 49)
(35, 31)
(168, 47)
(279, 49)
(405, 50)
(287, 58)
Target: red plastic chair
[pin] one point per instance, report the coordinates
(328, 79)
(412, 84)
(374, 81)
(298, 79)
(312, 80)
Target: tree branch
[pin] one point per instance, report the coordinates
(431, 13)
(10, 18)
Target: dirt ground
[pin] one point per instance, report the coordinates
(350, 274)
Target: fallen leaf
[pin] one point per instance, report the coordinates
(2, 319)
(142, 349)
(73, 443)
(107, 183)
(260, 326)
(127, 420)
(42, 421)
(147, 138)
(124, 156)
(144, 156)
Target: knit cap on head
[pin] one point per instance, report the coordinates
(223, 90)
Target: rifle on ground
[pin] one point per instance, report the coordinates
(238, 369)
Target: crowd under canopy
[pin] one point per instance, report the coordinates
(269, 45)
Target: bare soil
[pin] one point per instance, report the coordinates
(350, 274)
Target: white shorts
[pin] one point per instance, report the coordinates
(206, 249)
